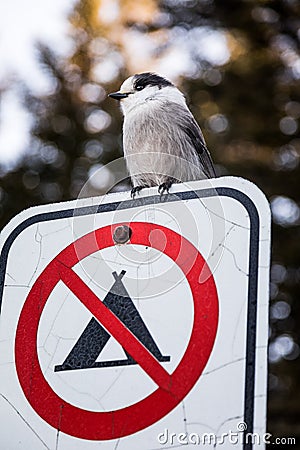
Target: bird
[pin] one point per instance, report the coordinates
(162, 142)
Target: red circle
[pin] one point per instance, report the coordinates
(92, 425)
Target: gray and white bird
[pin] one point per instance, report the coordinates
(162, 142)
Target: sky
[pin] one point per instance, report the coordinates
(22, 24)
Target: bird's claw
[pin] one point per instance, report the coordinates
(165, 187)
(135, 190)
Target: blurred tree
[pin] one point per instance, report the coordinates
(247, 101)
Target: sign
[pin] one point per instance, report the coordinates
(172, 388)
(129, 321)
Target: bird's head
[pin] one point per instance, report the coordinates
(140, 89)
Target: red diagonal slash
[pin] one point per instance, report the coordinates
(115, 327)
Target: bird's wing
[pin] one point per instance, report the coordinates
(185, 120)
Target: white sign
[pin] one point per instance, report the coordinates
(137, 323)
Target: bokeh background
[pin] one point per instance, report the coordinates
(238, 64)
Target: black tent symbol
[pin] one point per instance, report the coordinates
(94, 337)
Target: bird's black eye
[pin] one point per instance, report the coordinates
(139, 87)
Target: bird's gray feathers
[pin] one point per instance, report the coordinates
(163, 141)
(193, 133)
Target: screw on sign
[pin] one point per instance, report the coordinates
(171, 388)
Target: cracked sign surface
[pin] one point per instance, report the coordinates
(118, 346)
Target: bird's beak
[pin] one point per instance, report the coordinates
(118, 95)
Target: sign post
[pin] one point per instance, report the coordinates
(139, 323)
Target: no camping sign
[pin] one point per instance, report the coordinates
(124, 321)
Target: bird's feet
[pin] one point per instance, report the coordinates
(165, 187)
(136, 189)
